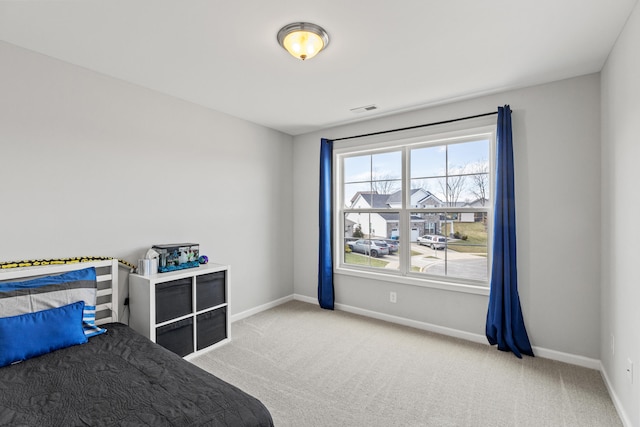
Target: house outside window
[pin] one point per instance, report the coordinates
(417, 210)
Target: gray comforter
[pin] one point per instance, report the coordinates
(121, 379)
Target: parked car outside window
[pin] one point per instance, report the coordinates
(375, 248)
(433, 241)
(393, 245)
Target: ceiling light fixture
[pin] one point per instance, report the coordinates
(303, 40)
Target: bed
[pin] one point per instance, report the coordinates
(113, 377)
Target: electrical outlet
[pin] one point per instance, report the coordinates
(393, 297)
(630, 370)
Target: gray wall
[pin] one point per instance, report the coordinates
(557, 159)
(620, 205)
(91, 165)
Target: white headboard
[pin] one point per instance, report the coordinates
(107, 277)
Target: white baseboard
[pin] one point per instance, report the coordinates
(401, 321)
(572, 359)
(481, 339)
(260, 308)
(477, 338)
(304, 298)
(614, 397)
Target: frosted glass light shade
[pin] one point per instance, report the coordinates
(303, 40)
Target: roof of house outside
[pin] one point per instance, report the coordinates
(376, 200)
(397, 196)
(360, 193)
(384, 201)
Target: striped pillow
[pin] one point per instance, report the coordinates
(52, 292)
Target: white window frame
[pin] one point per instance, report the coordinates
(385, 143)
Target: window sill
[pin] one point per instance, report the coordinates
(415, 281)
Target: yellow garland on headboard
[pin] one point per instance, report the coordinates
(55, 261)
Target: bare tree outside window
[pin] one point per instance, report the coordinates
(385, 183)
(480, 181)
(452, 187)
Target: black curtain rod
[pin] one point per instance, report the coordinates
(415, 127)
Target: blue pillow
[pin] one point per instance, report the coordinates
(29, 335)
(53, 291)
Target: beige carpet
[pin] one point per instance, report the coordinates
(313, 367)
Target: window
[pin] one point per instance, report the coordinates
(417, 209)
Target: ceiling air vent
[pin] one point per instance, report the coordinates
(364, 109)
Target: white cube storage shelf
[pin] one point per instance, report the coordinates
(185, 311)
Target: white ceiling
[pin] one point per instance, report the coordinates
(398, 55)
